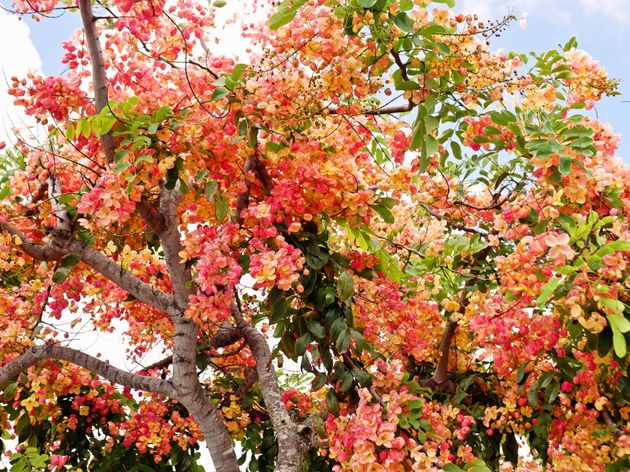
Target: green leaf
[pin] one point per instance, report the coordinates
(405, 23)
(407, 85)
(367, 3)
(450, 3)
(457, 150)
(84, 127)
(545, 379)
(618, 246)
(362, 377)
(552, 391)
(532, 395)
(237, 73)
(619, 326)
(70, 132)
(9, 392)
(418, 131)
(565, 165)
(502, 118)
(70, 260)
(343, 340)
(619, 322)
(520, 375)
(61, 274)
(315, 327)
(432, 145)
(384, 213)
(152, 128)
(452, 468)
(107, 123)
(210, 189)
(287, 11)
(122, 166)
(547, 291)
(221, 206)
(615, 306)
(159, 114)
(318, 382)
(279, 308)
(336, 328)
(302, 343)
(346, 382)
(477, 465)
(444, 49)
(219, 3)
(219, 93)
(143, 158)
(332, 403)
(346, 286)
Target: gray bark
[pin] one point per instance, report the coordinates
(291, 445)
(111, 373)
(99, 79)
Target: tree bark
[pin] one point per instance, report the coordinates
(192, 395)
(99, 79)
(62, 245)
(291, 445)
(111, 373)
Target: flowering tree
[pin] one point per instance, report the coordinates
(431, 230)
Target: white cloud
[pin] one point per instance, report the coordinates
(17, 56)
(497, 9)
(617, 10)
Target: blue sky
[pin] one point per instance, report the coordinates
(602, 28)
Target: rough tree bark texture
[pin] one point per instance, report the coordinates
(291, 446)
(111, 373)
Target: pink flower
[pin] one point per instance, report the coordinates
(559, 246)
(57, 461)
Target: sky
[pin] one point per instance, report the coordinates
(602, 28)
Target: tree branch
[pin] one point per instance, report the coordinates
(192, 395)
(109, 372)
(225, 337)
(99, 79)
(42, 252)
(440, 375)
(243, 198)
(164, 223)
(181, 276)
(291, 446)
(113, 271)
(61, 245)
(454, 224)
(153, 218)
(386, 110)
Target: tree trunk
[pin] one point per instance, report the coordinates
(194, 398)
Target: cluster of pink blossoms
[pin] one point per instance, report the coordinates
(278, 267)
(369, 438)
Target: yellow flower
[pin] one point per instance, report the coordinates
(29, 403)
